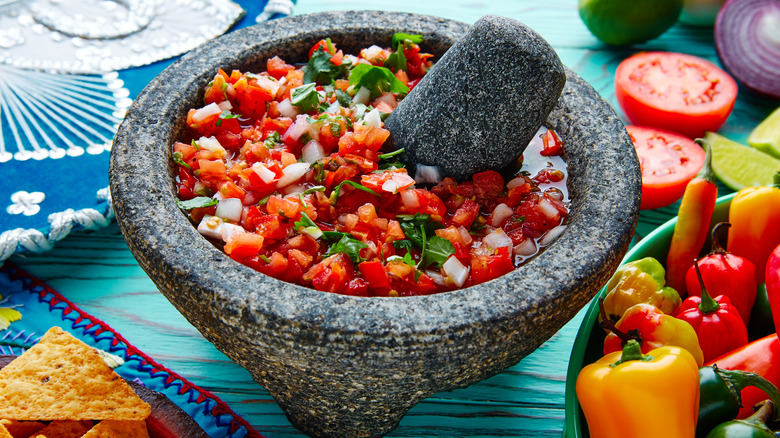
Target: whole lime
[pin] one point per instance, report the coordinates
(622, 22)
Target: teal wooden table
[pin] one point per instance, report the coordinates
(97, 272)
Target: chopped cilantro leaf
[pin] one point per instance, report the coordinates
(305, 97)
(350, 246)
(314, 189)
(343, 98)
(378, 80)
(337, 190)
(391, 154)
(397, 59)
(226, 115)
(195, 145)
(335, 129)
(199, 202)
(264, 258)
(177, 158)
(321, 70)
(333, 235)
(437, 251)
(273, 140)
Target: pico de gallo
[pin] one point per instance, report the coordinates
(285, 170)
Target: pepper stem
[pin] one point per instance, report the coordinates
(762, 415)
(609, 325)
(632, 351)
(717, 248)
(706, 172)
(707, 304)
(776, 179)
(739, 380)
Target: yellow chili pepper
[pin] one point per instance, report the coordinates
(640, 281)
(630, 395)
(755, 225)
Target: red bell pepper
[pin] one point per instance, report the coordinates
(772, 277)
(717, 323)
(726, 274)
(762, 357)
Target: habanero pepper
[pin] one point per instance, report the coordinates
(640, 281)
(751, 427)
(693, 222)
(754, 216)
(652, 329)
(720, 398)
(772, 275)
(626, 393)
(717, 323)
(762, 357)
(725, 274)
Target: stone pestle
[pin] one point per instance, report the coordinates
(481, 103)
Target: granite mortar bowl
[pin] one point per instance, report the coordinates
(352, 366)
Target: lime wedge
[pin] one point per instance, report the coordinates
(766, 136)
(620, 22)
(739, 166)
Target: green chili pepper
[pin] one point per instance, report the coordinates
(751, 427)
(720, 395)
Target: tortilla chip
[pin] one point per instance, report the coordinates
(4, 432)
(21, 429)
(64, 429)
(118, 428)
(62, 378)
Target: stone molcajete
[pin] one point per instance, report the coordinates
(350, 366)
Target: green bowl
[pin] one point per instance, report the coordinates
(588, 345)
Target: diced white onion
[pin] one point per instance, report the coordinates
(389, 99)
(312, 151)
(515, 182)
(456, 271)
(334, 107)
(314, 232)
(205, 112)
(265, 174)
(225, 105)
(427, 174)
(465, 235)
(292, 173)
(371, 52)
(286, 109)
(297, 128)
(525, 248)
(547, 208)
(390, 186)
(500, 214)
(437, 277)
(373, 119)
(230, 209)
(211, 226)
(362, 96)
(268, 84)
(410, 199)
(210, 144)
(292, 189)
(227, 230)
(552, 235)
(497, 239)
(398, 181)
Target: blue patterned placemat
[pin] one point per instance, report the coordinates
(56, 130)
(42, 308)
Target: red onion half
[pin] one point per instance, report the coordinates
(747, 38)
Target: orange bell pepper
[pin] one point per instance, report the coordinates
(754, 216)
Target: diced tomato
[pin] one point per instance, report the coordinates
(242, 245)
(374, 273)
(212, 169)
(286, 208)
(487, 267)
(229, 189)
(251, 98)
(277, 68)
(216, 92)
(390, 181)
(552, 145)
(272, 227)
(322, 45)
(466, 214)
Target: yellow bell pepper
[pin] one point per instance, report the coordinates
(755, 225)
(626, 394)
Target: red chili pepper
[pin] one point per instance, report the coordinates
(772, 277)
(726, 274)
(693, 221)
(717, 323)
(762, 357)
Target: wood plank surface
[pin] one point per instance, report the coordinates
(97, 272)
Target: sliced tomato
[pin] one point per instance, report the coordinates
(674, 91)
(668, 161)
